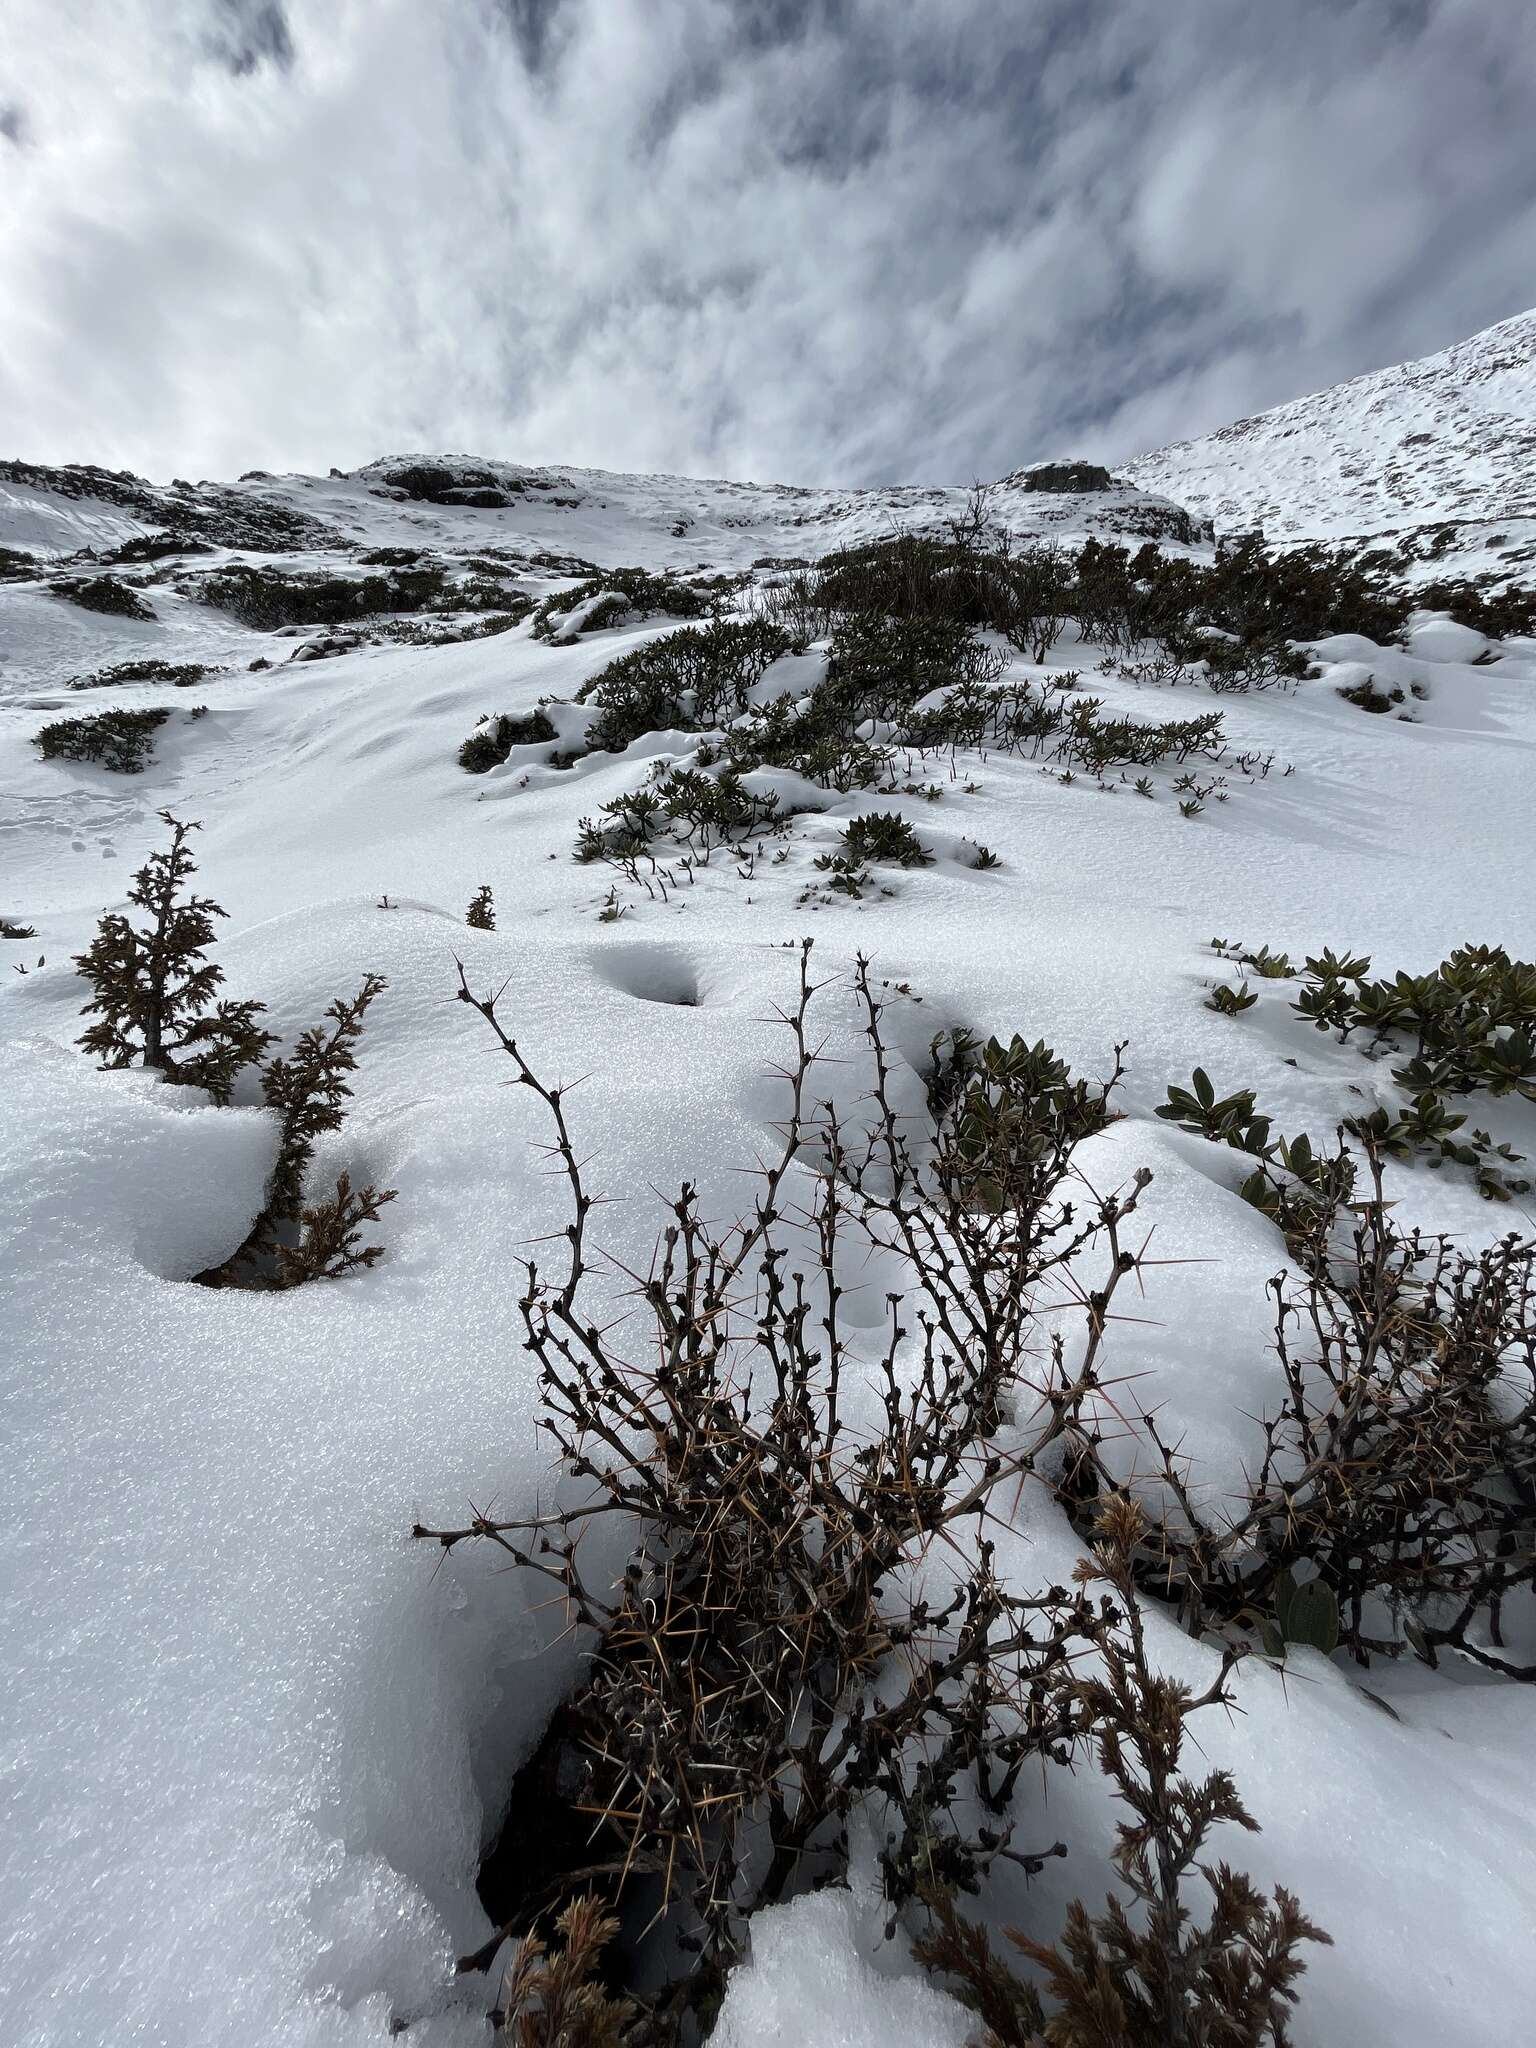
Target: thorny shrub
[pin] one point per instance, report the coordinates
(808, 1621)
(1399, 1467)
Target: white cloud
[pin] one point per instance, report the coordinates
(820, 240)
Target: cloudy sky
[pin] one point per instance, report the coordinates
(822, 241)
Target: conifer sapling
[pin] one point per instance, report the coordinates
(154, 988)
(292, 1241)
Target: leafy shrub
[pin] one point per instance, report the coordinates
(885, 836)
(123, 741)
(269, 597)
(1471, 1021)
(103, 594)
(644, 594)
(690, 809)
(481, 914)
(1260, 599)
(181, 674)
(490, 743)
(1500, 614)
(690, 680)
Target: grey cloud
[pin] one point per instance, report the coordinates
(818, 240)
(248, 33)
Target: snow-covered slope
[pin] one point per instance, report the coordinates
(253, 1740)
(1448, 441)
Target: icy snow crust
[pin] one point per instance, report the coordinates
(253, 1738)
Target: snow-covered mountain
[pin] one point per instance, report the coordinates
(253, 1741)
(605, 516)
(1445, 445)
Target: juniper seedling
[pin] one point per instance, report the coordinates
(481, 913)
(153, 987)
(554, 1997)
(1147, 1976)
(292, 1242)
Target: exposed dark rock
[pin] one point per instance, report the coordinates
(1067, 476)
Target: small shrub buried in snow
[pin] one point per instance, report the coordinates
(153, 991)
(121, 740)
(1471, 1024)
(1145, 1975)
(180, 674)
(481, 913)
(637, 590)
(104, 594)
(1369, 697)
(883, 836)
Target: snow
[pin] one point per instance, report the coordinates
(823, 1955)
(254, 1739)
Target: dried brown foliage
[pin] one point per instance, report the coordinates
(554, 1997)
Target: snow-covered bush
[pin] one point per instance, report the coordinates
(1399, 1463)
(103, 594)
(692, 680)
(179, 673)
(123, 741)
(494, 738)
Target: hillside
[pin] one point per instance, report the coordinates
(259, 1744)
(1435, 457)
